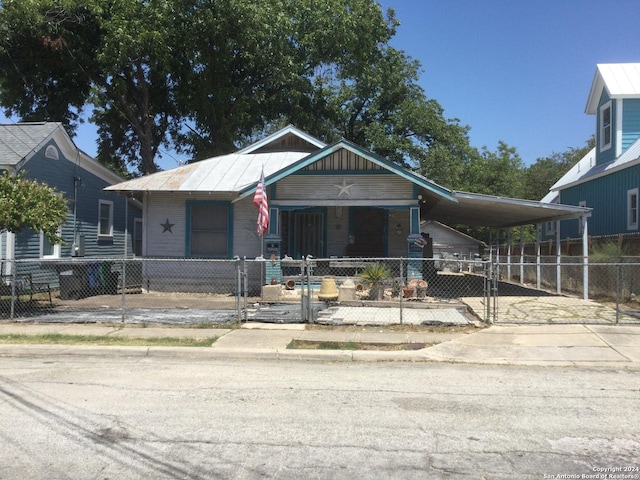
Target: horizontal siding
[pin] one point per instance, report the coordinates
(630, 122)
(60, 174)
(353, 187)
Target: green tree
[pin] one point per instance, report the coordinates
(495, 173)
(198, 75)
(26, 203)
(540, 176)
(57, 56)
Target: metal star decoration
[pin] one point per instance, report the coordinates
(344, 188)
(166, 226)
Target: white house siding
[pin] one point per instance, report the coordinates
(345, 188)
(246, 242)
(449, 241)
(398, 243)
(161, 207)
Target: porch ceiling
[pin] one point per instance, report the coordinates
(496, 212)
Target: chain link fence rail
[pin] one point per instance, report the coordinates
(359, 291)
(206, 291)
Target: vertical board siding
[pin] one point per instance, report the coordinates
(162, 207)
(630, 122)
(246, 241)
(608, 196)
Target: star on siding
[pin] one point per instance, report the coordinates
(166, 226)
(344, 188)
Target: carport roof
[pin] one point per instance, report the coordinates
(496, 212)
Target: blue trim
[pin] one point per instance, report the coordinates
(192, 203)
(344, 144)
(415, 221)
(273, 221)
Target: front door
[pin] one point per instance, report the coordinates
(369, 232)
(308, 234)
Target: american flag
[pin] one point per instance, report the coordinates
(260, 201)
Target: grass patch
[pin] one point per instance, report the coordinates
(323, 345)
(104, 340)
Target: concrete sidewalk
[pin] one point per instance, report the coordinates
(559, 345)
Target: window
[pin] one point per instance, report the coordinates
(105, 218)
(137, 237)
(632, 209)
(48, 249)
(550, 228)
(208, 230)
(605, 126)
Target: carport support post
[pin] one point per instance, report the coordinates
(558, 259)
(538, 256)
(521, 255)
(509, 255)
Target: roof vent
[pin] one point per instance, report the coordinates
(52, 153)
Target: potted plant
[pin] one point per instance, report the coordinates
(374, 275)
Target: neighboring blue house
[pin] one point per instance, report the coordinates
(607, 179)
(95, 225)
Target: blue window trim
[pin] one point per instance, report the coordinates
(192, 203)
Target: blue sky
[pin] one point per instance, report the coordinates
(517, 71)
(513, 70)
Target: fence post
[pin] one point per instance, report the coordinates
(14, 267)
(309, 291)
(238, 288)
(401, 285)
(246, 285)
(488, 267)
(618, 282)
(123, 285)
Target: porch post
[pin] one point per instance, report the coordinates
(585, 258)
(414, 245)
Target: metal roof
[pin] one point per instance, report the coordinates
(586, 168)
(225, 174)
(498, 212)
(238, 174)
(622, 80)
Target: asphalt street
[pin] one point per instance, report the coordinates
(99, 416)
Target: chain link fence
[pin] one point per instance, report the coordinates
(204, 291)
(357, 291)
(613, 287)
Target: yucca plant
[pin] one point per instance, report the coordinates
(373, 275)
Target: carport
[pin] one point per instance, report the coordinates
(500, 213)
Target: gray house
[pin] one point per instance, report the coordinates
(325, 201)
(95, 225)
